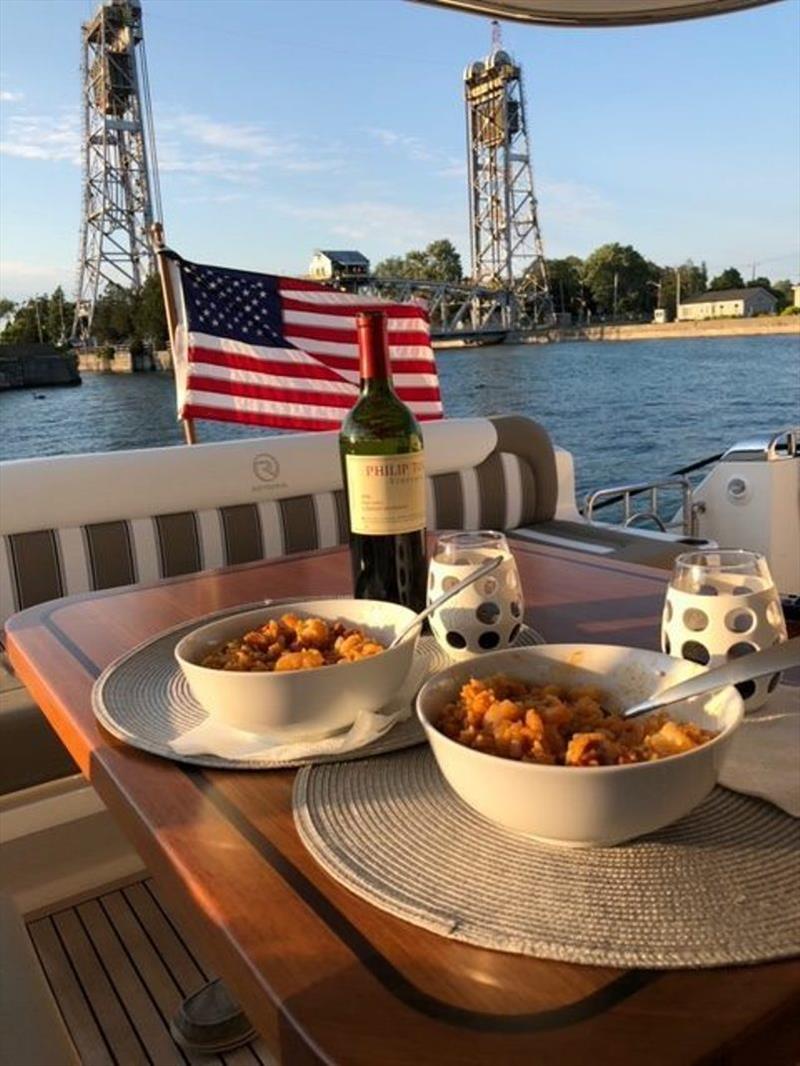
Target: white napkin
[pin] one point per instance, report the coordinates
(214, 738)
(764, 757)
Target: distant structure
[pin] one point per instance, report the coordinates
(506, 242)
(727, 303)
(121, 196)
(346, 269)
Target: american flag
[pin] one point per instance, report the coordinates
(283, 352)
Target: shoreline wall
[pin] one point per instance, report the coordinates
(727, 327)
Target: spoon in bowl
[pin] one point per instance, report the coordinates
(470, 579)
(757, 664)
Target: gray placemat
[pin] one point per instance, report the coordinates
(718, 887)
(143, 699)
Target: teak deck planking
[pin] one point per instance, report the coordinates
(325, 976)
(118, 970)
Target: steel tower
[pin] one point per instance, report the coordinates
(121, 197)
(506, 242)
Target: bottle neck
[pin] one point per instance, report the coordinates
(373, 354)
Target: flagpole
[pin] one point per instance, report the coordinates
(157, 241)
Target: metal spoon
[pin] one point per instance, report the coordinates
(482, 571)
(757, 664)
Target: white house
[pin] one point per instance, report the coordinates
(727, 303)
(796, 291)
(338, 266)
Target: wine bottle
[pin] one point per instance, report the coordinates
(383, 465)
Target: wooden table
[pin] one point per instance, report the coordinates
(325, 976)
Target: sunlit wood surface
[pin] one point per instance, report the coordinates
(325, 976)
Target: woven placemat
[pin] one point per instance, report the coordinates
(143, 699)
(718, 887)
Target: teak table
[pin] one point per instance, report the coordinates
(324, 975)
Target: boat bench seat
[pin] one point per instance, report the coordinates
(32, 1031)
(79, 523)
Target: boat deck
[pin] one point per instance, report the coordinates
(118, 969)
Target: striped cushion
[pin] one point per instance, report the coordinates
(49, 563)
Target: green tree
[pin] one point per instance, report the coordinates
(728, 279)
(784, 292)
(566, 287)
(114, 314)
(438, 262)
(6, 305)
(28, 324)
(150, 316)
(617, 276)
(694, 280)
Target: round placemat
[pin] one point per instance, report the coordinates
(143, 699)
(716, 888)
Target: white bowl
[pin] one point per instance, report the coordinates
(302, 703)
(583, 806)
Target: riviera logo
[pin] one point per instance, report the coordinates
(266, 467)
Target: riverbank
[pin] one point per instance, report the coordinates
(784, 325)
(24, 366)
(764, 325)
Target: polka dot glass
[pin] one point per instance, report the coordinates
(720, 605)
(487, 615)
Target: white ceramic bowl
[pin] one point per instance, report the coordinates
(583, 806)
(302, 703)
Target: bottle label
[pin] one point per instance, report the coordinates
(386, 493)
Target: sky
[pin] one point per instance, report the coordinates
(288, 125)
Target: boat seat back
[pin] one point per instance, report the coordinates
(78, 523)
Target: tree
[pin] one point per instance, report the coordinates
(41, 319)
(438, 262)
(694, 280)
(151, 318)
(6, 305)
(618, 277)
(728, 279)
(784, 292)
(114, 314)
(566, 288)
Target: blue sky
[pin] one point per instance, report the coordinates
(287, 125)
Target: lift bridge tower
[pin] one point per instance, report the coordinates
(507, 251)
(121, 198)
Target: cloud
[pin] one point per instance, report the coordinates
(397, 226)
(411, 146)
(443, 165)
(55, 138)
(570, 202)
(18, 278)
(247, 147)
(7, 97)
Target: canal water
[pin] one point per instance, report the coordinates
(626, 410)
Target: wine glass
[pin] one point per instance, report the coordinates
(486, 615)
(721, 604)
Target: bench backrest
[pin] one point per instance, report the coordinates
(77, 523)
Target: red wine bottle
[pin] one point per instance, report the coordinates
(383, 464)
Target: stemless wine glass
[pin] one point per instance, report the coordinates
(721, 604)
(486, 615)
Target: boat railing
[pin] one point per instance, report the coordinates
(625, 494)
(767, 446)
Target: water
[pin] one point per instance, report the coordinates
(627, 411)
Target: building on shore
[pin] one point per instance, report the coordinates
(796, 292)
(340, 268)
(727, 303)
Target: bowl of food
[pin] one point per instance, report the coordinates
(531, 739)
(301, 669)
